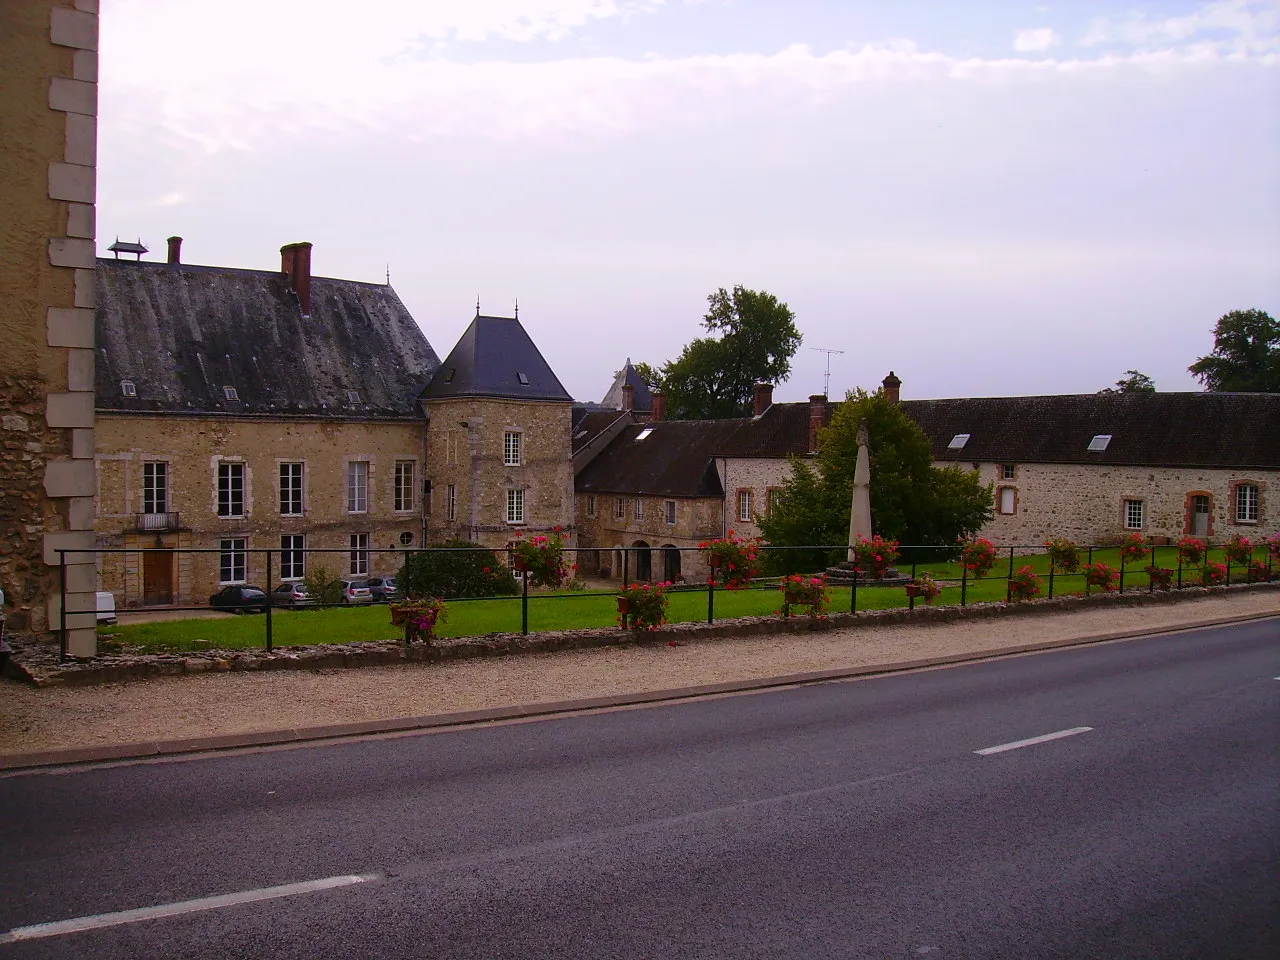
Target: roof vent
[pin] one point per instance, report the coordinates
(958, 441)
(1099, 443)
(644, 433)
(124, 246)
(353, 396)
(229, 393)
(128, 389)
(523, 379)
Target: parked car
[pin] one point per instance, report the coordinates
(106, 603)
(291, 595)
(241, 598)
(383, 589)
(356, 591)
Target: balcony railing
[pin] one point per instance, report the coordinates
(157, 522)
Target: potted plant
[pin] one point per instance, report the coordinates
(1214, 574)
(1101, 575)
(643, 606)
(1239, 549)
(1026, 584)
(734, 562)
(1063, 554)
(924, 587)
(1161, 577)
(978, 556)
(807, 592)
(1191, 551)
(1134, 548)
(873, 558)
(541, 558)
(418, 617)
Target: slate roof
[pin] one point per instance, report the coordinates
(589, 424)
(183, 332)
(495, 357)
(673, 460)
(643, 399)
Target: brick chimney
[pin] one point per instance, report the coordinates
(817, 414)
(892, 386)
(175, 249)
(764, 397)
(628, 398)
(295, 264)
(659, 407)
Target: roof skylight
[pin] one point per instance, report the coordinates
(644, 433)
(353, 396)
(958, 441)
(229, 393)
(128, 389)
(1099, 443)
(523, 379)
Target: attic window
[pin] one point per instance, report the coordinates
(1099, 443)
(229, 393)
(523, 379)
(958, 441)
(580, 434)
(353, 396)
(128, 389)
(644, 433)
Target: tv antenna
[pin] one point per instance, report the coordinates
(826, 377)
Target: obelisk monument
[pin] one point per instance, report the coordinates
(860, 517)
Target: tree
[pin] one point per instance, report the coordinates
(1134, 382)
(1246, 354)
(463, 571)
(755, 337)
(912, 501)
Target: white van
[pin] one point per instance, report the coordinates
(106, 607)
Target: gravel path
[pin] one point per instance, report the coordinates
(229, 703)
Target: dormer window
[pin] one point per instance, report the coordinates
(1099, 443)
(127, 388)
(958, 441)
(229, 393)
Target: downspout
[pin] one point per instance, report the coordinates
(724, 500)
(426, 482)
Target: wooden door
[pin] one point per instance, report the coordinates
(157, 577)
(1199, 516)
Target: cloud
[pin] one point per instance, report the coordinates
(1226, 26)
(1035, 40)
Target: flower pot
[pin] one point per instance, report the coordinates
(914, 590)
(713, 560)
(624, 605)
(519, 564)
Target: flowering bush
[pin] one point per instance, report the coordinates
(925, 587)
(1134, 548)
(1191, 550)
(418, 617)
(542, 557)
(810, 592)
(1214, 575)
(1026, 584)
(733, 561)
(978, 556)
(1258, 572)
(1238, 549)
(873, 558)
(1273, 544)
(1063, 554)
(1161, 577)
(1101, 575)
(643, 606)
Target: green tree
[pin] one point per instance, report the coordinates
(1134, 381)
(912, 501)
(754, 337)
(456, 573)
(1246, 354)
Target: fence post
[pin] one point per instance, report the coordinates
(1122, 569)
(964, 583)
(911, 597)
(524, 603)
(270, 595)
(1179, 568)
(711, 596)
(62, 607)
(1151, 581)
(626, 557)
(853, 593)
(1010, 576)
(1088, 563)
(1052, 567)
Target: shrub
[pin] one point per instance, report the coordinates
(1214, 574)
(874, 557)
(460, 572)
(643, 606)
(418, 617)
(543, 558)
(1273, 544)
(925, 587)
(1063, 554)
(1101, 575)
(808, 592)
(321, 586)
(978, 556)
(1238, 549)
(1026, 584)
(1161, 577)
(733, 561)
(1134, 549)
(1258, 572)
(1191, 550)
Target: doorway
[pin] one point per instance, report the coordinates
(1200, 516)
(157, 577)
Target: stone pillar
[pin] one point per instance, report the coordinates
(49, 72)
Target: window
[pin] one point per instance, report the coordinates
(231, 489)
(359, 554)
(1246, 503)
(451, 502)
(511, 449)
(644, 433)
(523, 378)
(353, 396)
(744, 506)
(358, 486)
(958, 441)
(515, 506)
(230, 393)
(231, 560)
(1006, 471)
(155, 487)
(404, 486)
(637, 509)
(772, 499)
(1099, 443)
(1134, 514)
(671, 512)
(291, 489)
(591, 505)
(617, 508)
(128, 389)
(1007, 500)
(406, 539)
(292, 557)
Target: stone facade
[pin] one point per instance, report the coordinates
(629, 534)
(185, 516)
(472, 484)
(48, 71)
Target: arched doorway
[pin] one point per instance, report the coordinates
(670, 562)
(641, 562)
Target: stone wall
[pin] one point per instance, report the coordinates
(603, 535)
(465, 451)
(757, 476)
(193, 447)
(48, 72)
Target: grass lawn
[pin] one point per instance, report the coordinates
(564, 611)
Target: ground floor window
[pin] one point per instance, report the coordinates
(1007, 500)
(232, 560)
(1134, 514)
(744, 506)
(515, 506)
(292, 557)
(1246, 503)
(359, 554)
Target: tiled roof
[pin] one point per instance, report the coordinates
(589, 424)
(495, 357)
(182, 333)
(673, 460)
(643, 399)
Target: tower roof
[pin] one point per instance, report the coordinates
(496, 357)
(643, 399)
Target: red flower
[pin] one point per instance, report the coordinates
(487, 570)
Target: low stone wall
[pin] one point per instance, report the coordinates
(37, 663)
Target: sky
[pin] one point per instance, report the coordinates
(989, 197)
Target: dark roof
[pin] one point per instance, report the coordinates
(182, 332)
(495, 357)
(643, 399)
(1220, 430)
(589, 424)
(673, 460)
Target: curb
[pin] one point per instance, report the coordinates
(134, 751)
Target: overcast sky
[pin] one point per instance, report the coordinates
(990, 197)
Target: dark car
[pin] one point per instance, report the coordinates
(291, 595)
(241, 598)
(383, 589)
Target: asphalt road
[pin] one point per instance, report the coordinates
(850, 819)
